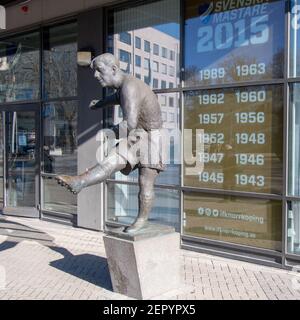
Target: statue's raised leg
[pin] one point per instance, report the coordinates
(111, 164)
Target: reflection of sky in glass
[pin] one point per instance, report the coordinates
(295, 39)
(172, 29)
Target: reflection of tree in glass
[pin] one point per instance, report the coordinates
(61, 71)
(66, 119)
(231, 63)
(191, 75)
(20, 77)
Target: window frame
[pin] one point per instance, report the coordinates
(137, 40)
(127, 40)
(147, 46)
(136, 59)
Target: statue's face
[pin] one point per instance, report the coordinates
(105, 74)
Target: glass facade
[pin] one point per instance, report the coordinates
(226, 74)
(153, 26)
(237, 136)
(294, 39)
(251, 222)
(59, 118)
(20, 68)
(60, 137)
(239, 43)
(123, 205)
(21, 158)
(1, 160)
(157, 25)
(56, 199)
(59, 153)
(234, 136)
(60, 61)
(39, 72)
(293, 225)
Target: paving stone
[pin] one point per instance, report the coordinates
(69, 263)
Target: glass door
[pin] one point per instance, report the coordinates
(22, 161)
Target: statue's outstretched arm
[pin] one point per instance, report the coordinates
(106, 102)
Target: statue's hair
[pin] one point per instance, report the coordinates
(106, 58)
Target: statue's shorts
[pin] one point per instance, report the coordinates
(144, 149)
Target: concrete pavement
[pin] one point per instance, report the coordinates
(43, 260)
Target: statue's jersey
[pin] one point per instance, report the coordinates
(148, 110)
(144, 146)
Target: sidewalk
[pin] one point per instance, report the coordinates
(43, 260)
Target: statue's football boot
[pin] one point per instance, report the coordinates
(73, 183)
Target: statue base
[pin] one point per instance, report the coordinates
(145, 264)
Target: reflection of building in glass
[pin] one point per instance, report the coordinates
(152, 56)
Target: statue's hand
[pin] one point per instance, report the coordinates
(93, 104)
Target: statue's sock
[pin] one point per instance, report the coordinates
(103, 171)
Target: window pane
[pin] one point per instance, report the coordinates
(164, 116)
(236, 135)
(20, 68)
(294, 145)
(138, 42)
(156, 49)
(125, 37)
(147, 47)
(294, 39)
(164, 52)
(245, 221)
(169, 103)
(123, 205)
(147, 64)
(172, 55)
(125, 56)
(60, 61)
(147, 80)
(60, 137)
(137, 60)
(1, 158)
(58, 199)
(156, 24)
(225, 46)
(171, 71)
(293, 225)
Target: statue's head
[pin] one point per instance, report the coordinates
(107, 70)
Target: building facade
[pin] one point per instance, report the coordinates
(226, 74)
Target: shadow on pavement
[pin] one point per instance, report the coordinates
(16, 233)
(87, 267)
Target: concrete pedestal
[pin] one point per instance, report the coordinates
(143, 267)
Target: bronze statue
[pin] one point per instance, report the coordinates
(142, 126)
